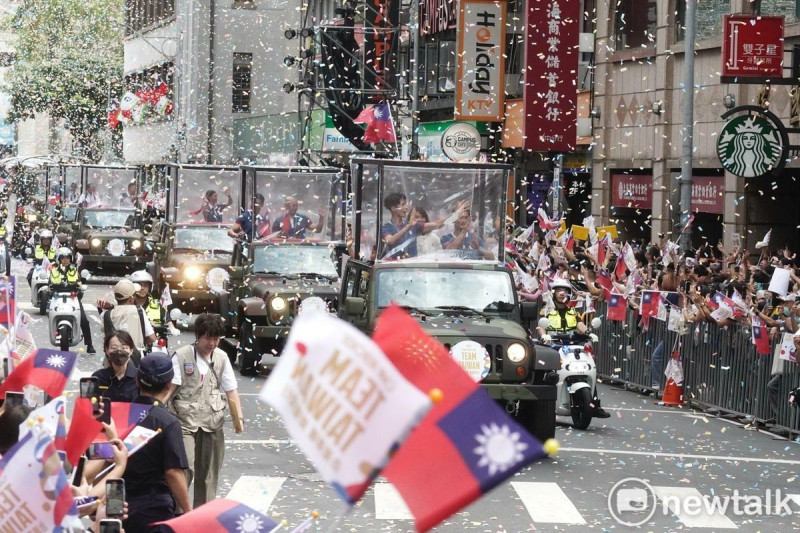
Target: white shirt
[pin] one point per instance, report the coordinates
(228, 380)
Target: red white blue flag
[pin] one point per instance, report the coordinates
(617, 306)
(47, 369)
(221, 516)
(465, 445)
(8, 297)
(760, 335)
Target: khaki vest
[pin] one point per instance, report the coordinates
(126, 317)
(200, 404)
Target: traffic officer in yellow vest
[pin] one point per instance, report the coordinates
(204, 385)
(563, 320)
(152, 306)
(42, 250)
(64, 275)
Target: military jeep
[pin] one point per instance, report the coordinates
(461, 293)
(111, 237)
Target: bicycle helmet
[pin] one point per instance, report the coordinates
(45, 234)
(561, 284)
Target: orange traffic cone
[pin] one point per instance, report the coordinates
(673, 394)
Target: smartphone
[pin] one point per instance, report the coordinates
(88, 387)
(115, 497)
(77, 472)
(14, 399)
(106, 418)
(110, 525)
(100, 450)
(686, 285)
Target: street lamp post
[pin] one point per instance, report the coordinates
(685, 238)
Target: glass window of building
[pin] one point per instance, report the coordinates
(635, 23)
(709, 18)
(242, 70)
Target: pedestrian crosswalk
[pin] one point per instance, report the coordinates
(550, 505)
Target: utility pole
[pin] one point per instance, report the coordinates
(414, 82)
(685, 238)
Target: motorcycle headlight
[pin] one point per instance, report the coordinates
(516, 352)
(192, 273)
(96, 243)
(277, 304)
(135, 244)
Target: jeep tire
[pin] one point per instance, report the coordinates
(538, 417)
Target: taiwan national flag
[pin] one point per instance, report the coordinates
(650, 302)
(465, 445)
(760, 335)
(47, 369)
(545, 222)
(604, 281)
(378, 119)
(8, 297)
(83, 429)
(221, 516)
(602, 249)
(621, 268)
(617, 306)
(128, 415)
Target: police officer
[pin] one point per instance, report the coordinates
(153, 309)
(564, 319)
(65, 275)
(42, 250)
(154, 478)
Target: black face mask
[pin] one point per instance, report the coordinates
(118, 358)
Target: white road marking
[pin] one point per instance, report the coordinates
(257, 492)
(389, 505)
(675, 499)
(678, 455)
(259, 441)
(547, 503)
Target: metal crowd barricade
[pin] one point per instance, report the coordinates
(722, 371)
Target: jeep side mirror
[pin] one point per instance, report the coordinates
(354, 306)
(543, 323)
(528, 310)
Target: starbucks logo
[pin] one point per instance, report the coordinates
(749, 146)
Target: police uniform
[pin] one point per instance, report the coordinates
(70, 277)
(562, 322)
(39, 253)
(148, 494)
(154, 311)
(118, 390)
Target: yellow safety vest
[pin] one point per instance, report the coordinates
(570, 322)
(39, 252)
(153, 310)
(57, 278)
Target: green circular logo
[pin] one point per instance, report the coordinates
(749, 146)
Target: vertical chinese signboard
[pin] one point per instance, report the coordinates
(481, 62)
(551, 73)
(753, 46)
(382, 16)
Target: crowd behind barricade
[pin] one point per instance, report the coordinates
(756, 291)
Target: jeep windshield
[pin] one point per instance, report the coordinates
(202, 239)
(445, 290)
(291, 260)
(110, 218)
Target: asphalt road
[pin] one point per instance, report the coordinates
(682, 455)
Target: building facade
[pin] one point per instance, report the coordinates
(217, 60)
(638, 138)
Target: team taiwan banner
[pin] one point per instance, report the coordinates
(465, 446)
(343, 402)
(36, 493)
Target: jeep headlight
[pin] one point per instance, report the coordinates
(135, 244)
(192, 273)
(516, 352)
(96, 243)
(277, 304)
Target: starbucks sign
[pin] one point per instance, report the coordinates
(752, 145)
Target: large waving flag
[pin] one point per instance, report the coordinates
(465, 445)
(221, 516)
(342, 401)
(51, 417)
(127, 416)
(83, 430)
(47, 369)
(35, 489)
(378, 119)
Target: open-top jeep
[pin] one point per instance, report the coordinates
(446, 269)
(286, 260)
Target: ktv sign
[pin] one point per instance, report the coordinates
(753, 46)
(481, 61)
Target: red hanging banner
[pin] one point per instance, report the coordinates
(753, 46)
(551, 73)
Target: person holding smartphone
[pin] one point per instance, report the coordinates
(154, 479)
(10, 419)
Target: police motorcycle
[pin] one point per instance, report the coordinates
(40, 276)
(64, 311)
(577, 377)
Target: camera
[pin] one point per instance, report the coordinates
(794, 397)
